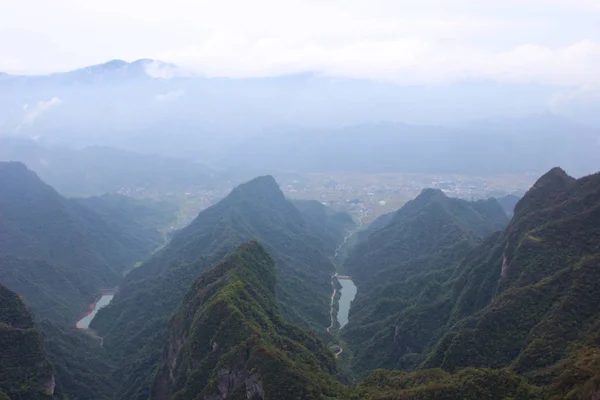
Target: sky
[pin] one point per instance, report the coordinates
(425, 42)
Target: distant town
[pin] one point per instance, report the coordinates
(368, 196)
(364, 196)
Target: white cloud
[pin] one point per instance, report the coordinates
(405, 61)
(32, 113)
(40, 108)
(169, 96)
(429, 41)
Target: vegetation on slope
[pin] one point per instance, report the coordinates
(56, 252)
(82, 368)
(436, 384)
(228, 340)
(134, 324)
(543, 311)
(329, 225)
(523, 300)
(402, 270)
(25, 373)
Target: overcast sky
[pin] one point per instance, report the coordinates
(410, 42)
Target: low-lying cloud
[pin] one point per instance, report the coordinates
(39, 109)
(430, 42)
(169, 97)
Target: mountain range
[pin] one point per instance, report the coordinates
(455, 300)
(499, 127)
(58, 252)
(255, 210)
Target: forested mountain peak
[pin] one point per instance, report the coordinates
(227, 339)
(255, 210)
(430, 222)
(262, 186)
(430, 193)
(545, 191)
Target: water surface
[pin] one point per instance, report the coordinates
(84, 322)
(348, 293)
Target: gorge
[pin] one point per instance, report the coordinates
(443, 299)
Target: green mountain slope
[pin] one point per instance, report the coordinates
(523, 300)
(57, 252)
(228, 340)
(436, 384)
(25, 373)
(82, 368)
(401, 270)
(331, 226)
(544, 285)
(134, 324)
(429, 222)
(140, 221)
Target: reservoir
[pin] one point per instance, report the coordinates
(84, 323)
(348, 293)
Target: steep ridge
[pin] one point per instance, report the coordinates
(524, 302)
(401, 270)
(543, 314)
(25, 373)
(134, 324)
(57, 252)
(228, 340)
(429, 222)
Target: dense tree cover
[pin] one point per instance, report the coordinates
(228, 340)
(401, 266)
(134, 324)
(145, 218)
(452, 306)
(525, 298)
(430, 222)
(57, 252)
(82, 368)
(330, 226)
(546, 284)
(25, 373)
(437, 384)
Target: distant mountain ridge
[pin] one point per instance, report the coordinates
(155, 107)
(110, 70)
(94, 171)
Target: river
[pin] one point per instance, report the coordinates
(84, 323)
(348, 292)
